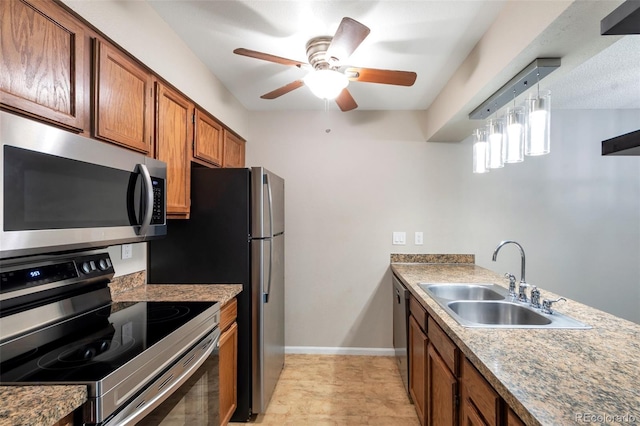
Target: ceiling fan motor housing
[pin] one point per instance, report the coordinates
(317, 52)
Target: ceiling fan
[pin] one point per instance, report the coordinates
(329, 75)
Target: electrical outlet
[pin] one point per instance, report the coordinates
(399, 238)
(419, 238)
(127, 251)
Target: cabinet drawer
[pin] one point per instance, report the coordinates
(418, 312)
(480, 393)
(447, 349)
(228, 314)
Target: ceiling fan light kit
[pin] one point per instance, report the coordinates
(330, 76)
(326, 84)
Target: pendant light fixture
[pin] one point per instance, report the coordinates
(514, 133)
(495, 147)
(480, 151)
(538, 141)
(522, 129)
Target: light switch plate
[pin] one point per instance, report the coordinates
(399, 238)
(419, 238)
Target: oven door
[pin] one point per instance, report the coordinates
(186, 394)
(61, 191)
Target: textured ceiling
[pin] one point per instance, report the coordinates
(429, 37)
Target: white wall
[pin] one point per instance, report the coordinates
(346, 191)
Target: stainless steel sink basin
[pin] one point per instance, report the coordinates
(497, 313)
(464, 291)
(485, 305)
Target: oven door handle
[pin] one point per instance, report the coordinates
(143, 408)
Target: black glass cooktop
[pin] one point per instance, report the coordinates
(93, 345)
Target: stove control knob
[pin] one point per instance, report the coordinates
(85, 267)
(102, 264)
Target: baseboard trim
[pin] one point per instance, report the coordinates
(318, 350)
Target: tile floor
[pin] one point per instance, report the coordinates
(339, 390)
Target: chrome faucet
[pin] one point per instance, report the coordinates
(522, 296)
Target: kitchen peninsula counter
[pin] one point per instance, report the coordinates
(547, 376)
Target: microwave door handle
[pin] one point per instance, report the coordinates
(147, 199)
(270, 202)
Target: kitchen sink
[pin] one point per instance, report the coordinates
(485, 305)
(464, 291)
(497, 313)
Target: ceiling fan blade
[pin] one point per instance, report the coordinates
(372, 75)
(345, 101)
(283, 90)
(268, 57)
(348, 37)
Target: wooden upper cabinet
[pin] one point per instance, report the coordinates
(42, 62)
(174, 128)
(123, 99)
(233, 150)
(207, 139)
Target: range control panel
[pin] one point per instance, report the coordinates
(56, 272)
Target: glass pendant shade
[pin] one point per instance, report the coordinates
(495, 146)
(326, 84)
(514, 135)
(538, 125)
(480, 151)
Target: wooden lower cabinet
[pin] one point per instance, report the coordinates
(446, 389)
(442, 391)
(228, 362)
(478, 394)
(513, 419)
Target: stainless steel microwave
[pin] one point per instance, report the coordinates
(62, 191)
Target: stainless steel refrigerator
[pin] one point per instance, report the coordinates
(235, 234)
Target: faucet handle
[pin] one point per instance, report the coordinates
(546, 305)
(535, 297)
(522, 292)
(512, 284)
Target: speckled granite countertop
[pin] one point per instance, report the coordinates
(180, 293)
(38, 405)
(552, 376)
(45, 405)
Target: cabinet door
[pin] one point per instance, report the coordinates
(42, 62)
(173, 140)
(441, 391)
(417, 367)
(470, 416)
(123, 99)
(207, 140)
(233, 150)
(480, 394)
(228, 373)
(513, 419)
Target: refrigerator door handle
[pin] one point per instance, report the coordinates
(270, 202)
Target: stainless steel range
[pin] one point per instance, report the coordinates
(138, 360)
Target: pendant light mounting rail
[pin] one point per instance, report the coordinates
(523, 81)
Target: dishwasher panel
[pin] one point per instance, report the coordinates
(401, 329)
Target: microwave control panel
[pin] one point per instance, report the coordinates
(159, 201)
